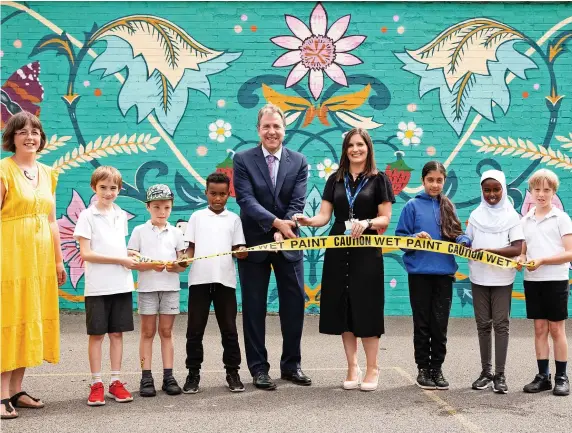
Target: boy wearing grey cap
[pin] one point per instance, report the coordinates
(158, 285)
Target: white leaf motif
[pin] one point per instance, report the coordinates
(165, 46)
(479, 36)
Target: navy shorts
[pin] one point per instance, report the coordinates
(547, 300)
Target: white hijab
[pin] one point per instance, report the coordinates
(498, 218)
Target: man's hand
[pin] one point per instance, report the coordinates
(278, 237)
(285, 227)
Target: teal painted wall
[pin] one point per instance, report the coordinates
(166, 92)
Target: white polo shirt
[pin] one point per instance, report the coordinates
(544, 239)
(152, 242)
(106, 233)
(487, 275)
(212, 234)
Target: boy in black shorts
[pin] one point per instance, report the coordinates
(101, 230)
(548, 243)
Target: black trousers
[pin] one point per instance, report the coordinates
(254, 279)
(224, 300)
(430, 297)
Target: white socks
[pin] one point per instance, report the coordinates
(115, 376)
(96, 377)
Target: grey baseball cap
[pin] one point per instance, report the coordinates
(159, 192)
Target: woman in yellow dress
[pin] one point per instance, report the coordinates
(32, 265)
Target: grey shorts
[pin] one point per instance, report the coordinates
(159, 302)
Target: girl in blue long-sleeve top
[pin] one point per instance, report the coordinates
(431, 215)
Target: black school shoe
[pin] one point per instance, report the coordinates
(484, 381)
(170, 386)
(234, 382)
(147, 387)
(192, 383)
(541, 382)
(499, 384)
(425, 380)
(561, 386)
(440, 381)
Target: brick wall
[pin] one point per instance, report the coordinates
(168, 91)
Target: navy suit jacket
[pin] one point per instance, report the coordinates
(260, 202)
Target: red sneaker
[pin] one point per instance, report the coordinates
(119, 393)
(96, 395)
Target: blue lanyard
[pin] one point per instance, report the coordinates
(352, 197)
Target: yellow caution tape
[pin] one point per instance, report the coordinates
(373, 241)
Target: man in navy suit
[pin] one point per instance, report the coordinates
(270, 183)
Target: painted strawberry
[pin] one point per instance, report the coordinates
(399, 173)
(227, 168)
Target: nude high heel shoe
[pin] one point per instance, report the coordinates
(353, 384)
(370, 386)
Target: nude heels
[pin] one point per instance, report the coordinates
(353, 384)
(370, 386)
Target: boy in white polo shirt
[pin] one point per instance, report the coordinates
(101, 230)
(211, 231)
(158, 286)
(548, 243)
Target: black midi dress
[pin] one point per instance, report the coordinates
(352, 296)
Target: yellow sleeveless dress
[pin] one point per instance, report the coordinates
(30, 304)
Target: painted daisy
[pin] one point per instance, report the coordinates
(220, 130)
(409, 133)
(326, 168)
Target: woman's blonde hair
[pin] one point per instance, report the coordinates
(105, 172)
(544, 175)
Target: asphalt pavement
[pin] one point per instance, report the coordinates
(397, 406)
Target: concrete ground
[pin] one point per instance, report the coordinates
(397, 406)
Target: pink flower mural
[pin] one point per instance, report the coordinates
(70, 247)
(317, 50)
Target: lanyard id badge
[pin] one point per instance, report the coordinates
(351, 200)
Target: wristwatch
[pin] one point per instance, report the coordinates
(369, 223)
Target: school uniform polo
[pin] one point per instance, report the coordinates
(212, 234)
(544, 239)
(487, 275)
(106, 233)
(157, 244)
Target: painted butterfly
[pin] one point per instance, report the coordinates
(22, 92)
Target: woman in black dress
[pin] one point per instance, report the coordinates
(352, 296)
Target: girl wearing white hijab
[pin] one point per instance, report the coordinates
(495, 227)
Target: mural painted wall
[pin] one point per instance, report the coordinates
(168, 92)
